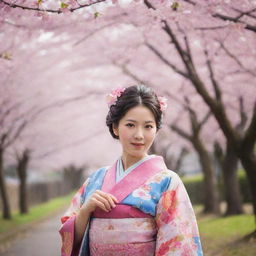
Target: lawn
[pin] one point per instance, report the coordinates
(224, 236)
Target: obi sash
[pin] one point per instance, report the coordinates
(122, 237)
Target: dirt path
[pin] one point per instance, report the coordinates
(42, 239)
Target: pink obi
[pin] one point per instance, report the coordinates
(121, 211)
(122, 237)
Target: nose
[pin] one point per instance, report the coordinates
(138, 135)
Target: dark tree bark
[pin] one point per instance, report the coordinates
(211, 195)
(22, 166)
(4, 195)
(249, 164)
(174, 162)
(211, 192)
(231, 182)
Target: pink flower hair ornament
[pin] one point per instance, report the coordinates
(116, 93)
(163, 103)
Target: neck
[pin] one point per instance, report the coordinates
(130, 160)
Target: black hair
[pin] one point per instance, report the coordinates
(132, 97)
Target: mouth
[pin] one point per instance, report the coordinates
(137, 144)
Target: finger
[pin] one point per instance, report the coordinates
(110, 200)
(100, 205)
(108, 195)
(103, 200)
(114, 198)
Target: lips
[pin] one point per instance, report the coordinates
(137, 144)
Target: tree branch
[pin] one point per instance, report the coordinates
(93, 33)
(72, 144)
(211, 28)
(127, 72)
(188, 50)
(243, 116)
(167, 62)
(250, 135)
(225, 17)
(193, 117)
(13, 5)
(234, 19)
(206, 117)
(216, 107)
(212, 77)
(14, 132)
(181, 132)
(232, 56)
(17, 133)
(247, 13)
(7, 112)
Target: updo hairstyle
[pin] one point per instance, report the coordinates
(132, 97)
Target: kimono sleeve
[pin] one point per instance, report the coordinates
(177, 227)
(67, 228)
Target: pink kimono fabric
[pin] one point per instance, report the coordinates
(154, 217)
(123, 237)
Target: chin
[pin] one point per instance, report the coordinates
(139, 155)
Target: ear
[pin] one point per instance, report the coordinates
(115, 129)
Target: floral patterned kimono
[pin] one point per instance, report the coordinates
(154, 215)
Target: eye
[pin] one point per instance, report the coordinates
(129, 125)
(149, 126)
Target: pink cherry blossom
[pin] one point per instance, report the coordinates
(163, 103)
(112, 97)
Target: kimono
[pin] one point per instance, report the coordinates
(153, 217)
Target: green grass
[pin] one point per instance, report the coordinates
(194, 178)
(199, 177)
(35, 213)
(223, 236)
(238, 225)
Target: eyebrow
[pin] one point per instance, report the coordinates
(134, 121)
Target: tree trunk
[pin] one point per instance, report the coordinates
(22, 172)
(211, 195)
(23, 200)
(4, 195)
(249, 164)
(231, 183)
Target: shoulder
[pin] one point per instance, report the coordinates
(164, 178)
(173, 178)
(173, 174)
(93, 182)
(168, 173)
(98, 172)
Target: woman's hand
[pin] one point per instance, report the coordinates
(100, 199)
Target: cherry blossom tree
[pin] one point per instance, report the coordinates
(210, 46)
(23, 103)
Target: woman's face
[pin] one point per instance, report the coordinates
(136, 131)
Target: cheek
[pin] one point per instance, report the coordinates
(151, 136)
(124, 135)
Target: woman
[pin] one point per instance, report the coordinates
(137, 206)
